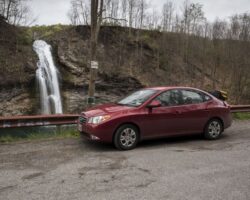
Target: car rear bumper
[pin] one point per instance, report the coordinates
(228, 121)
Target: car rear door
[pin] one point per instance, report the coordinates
(193, 113)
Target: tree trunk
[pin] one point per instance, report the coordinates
(96, 20)
(93, 48)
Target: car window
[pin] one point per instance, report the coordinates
(137, 98)
(170, 98)
(206, 97)
(192, 97)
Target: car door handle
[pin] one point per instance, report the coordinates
(177, 112)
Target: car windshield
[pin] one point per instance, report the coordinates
(137, 98)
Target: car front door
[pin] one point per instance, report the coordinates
(164, 120)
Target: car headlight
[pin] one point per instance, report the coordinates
(98, 119)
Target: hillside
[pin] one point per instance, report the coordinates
(17, 66)
(127, 61)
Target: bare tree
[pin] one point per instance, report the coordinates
(73, 14)
(16, 12)
(141, 7)
(192, 16)
(186, 17)
(131, 11)
(234, 27)
(238, 54)
(177, 24)
(111, 11)
(79, 12)
(153, 19)
(245, 27)
(219, 29)
(167, 16)
(197, 16)
(124, 9)
(219, 32)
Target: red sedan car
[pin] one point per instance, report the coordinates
(154, 113)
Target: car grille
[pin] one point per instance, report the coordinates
(82, 120)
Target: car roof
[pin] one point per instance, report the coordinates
(162, 88)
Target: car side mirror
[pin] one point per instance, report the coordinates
(154, 104)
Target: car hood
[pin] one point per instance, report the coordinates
(106, 109)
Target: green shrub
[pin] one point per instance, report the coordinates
(241, 116)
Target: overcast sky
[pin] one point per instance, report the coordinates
(55, 11)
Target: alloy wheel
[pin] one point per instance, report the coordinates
(128, 137)
(214, 129)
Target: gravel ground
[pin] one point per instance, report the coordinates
(179, 168)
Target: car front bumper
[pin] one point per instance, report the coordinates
(102, 132)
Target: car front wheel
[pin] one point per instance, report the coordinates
(126, 137)
(213, 129)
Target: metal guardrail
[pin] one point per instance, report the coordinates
(37, 120)
(67, 119)
(240, 108)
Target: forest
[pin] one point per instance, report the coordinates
(221, 45)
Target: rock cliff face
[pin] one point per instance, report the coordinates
(17, 66)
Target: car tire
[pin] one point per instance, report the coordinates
(126, 137)
(213, 129)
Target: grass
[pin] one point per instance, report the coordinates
(27, 34)
(241, 116)
(30, 134)
(45, 31)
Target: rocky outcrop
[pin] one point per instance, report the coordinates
(16, 102)
(72, 56)
(17, 77)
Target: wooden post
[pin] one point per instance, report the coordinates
(93, 43)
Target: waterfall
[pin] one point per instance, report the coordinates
(47, 78)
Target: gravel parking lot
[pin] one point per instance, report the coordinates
(177, 168)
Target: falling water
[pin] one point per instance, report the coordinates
(47, 78)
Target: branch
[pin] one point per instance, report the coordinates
(115, 19)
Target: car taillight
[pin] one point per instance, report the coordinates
(226, 105)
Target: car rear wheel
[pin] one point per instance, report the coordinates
(213, 129)
(126, 137)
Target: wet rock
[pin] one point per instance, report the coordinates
(19, 104)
